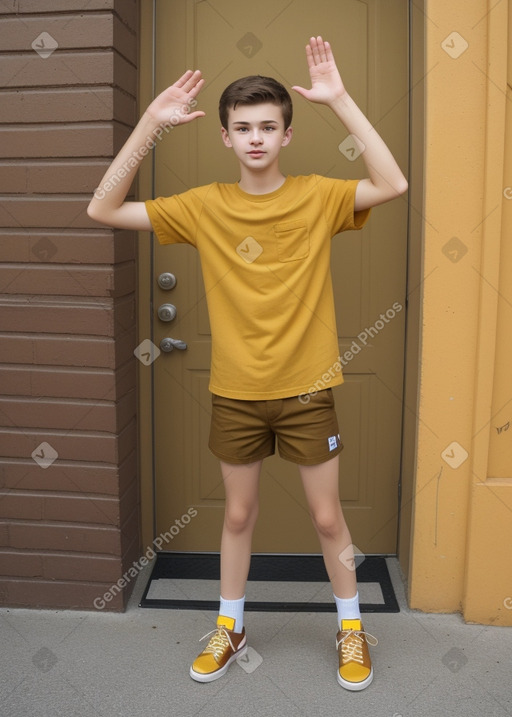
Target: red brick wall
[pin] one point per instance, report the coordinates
(69, 498)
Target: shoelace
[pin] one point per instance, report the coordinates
(353, 649)
(218, 642)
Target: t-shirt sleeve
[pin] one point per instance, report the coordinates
(338, 196)
(175, 219)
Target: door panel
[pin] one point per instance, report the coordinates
(227, 40)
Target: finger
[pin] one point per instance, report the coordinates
(186, 75)
(193, 116)
(192, 81)
(321, 49)
(314, 50)
(309, 56)
(197, 88)
(328, 52)
(301, 91)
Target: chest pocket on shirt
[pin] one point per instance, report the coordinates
(292, 240)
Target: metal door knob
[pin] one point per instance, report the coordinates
(167, 312)
(168, 345)
(166, 281)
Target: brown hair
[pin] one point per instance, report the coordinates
(253, 90)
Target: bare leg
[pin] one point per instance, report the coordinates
(321, 488)
(241, 483)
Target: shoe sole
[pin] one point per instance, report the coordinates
(355, 686)
(199, 677)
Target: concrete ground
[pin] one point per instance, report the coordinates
(88, 664)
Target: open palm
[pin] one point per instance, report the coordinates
(326, 83)
(174, 105)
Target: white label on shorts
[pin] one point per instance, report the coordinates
(333, 442)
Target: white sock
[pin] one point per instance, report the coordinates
(234, 609)
(348, 608)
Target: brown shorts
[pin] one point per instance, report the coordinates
(245, 431)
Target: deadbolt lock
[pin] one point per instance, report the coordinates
(167, 312)
(166, 281)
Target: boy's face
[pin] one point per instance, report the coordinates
(256, 133)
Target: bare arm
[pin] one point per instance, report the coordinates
(386, 180)
(171, 108)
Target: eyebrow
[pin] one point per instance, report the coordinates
(262, 122)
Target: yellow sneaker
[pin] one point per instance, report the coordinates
(223, 648)
(355, 671)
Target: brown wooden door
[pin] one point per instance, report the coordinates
(226, 40)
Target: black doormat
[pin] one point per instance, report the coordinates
(189, 581)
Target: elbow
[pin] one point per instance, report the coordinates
(90, 210)
(403, 186)
(393, 191)
(94, 210)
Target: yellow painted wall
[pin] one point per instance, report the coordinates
(462, 506)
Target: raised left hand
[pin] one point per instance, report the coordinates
(326, 83)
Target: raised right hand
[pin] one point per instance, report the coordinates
(173, 106)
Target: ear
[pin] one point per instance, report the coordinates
(287, 137)
(225, 137)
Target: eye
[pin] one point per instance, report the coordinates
(270, 127)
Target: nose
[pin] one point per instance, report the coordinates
(256, 137)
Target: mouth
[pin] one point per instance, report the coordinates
(256, 153)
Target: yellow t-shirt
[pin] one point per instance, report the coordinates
(266, 267)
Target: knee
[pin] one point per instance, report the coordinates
(239, 518)
(329, 523)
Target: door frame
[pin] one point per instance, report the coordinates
(145, 282)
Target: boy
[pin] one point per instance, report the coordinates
(264, 244)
